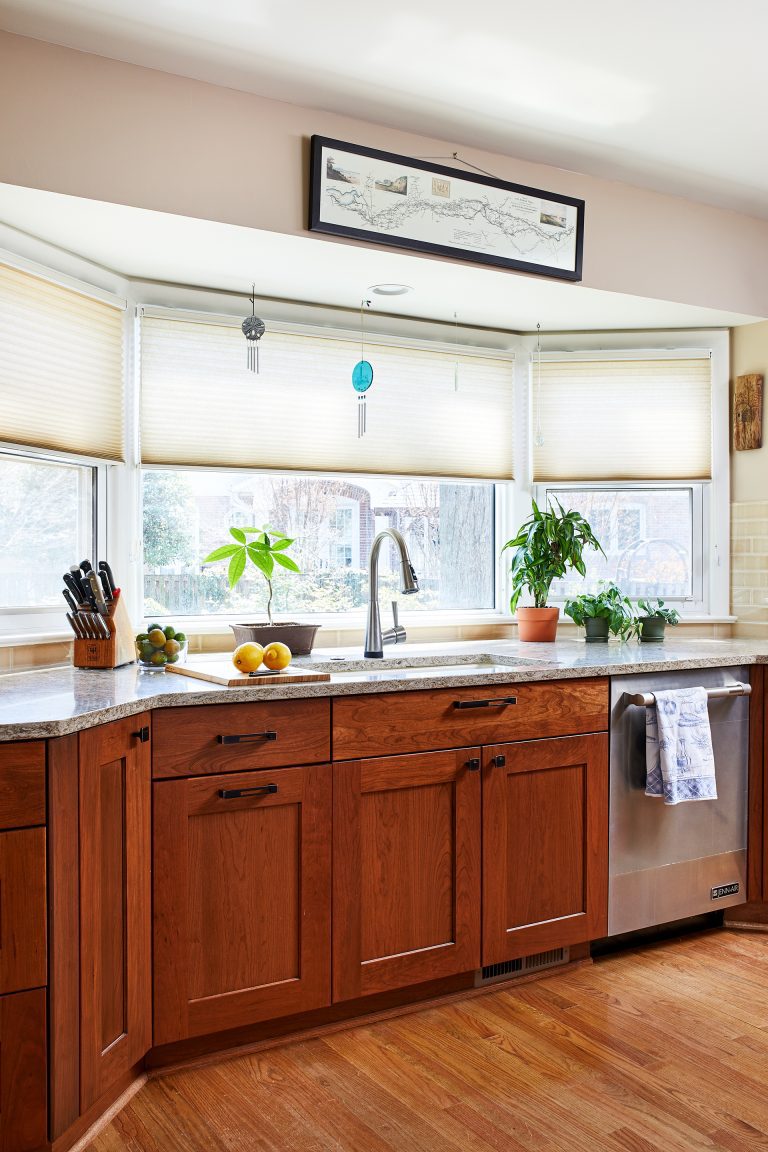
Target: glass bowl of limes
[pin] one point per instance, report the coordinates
(158, 647)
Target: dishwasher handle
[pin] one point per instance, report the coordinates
(647, 699)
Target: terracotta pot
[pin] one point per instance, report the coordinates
(537, 624)
(298, 637)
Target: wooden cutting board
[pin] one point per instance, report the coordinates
(223, 672)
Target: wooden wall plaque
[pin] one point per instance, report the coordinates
(748, 413)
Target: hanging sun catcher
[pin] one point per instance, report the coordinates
(362, 374)
(253, 330)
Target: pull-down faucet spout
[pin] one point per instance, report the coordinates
(409, 585)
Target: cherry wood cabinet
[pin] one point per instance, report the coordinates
(242, 899)
(22, 910)
(23, 1117)
(545, 845)
(406, 878)
(115, 902)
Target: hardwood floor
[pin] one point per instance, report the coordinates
(662, 1049)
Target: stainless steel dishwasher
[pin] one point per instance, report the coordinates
(668, 862)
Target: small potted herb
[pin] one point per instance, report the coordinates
(265, 549)
(652, 618)
(549, 543)
(607, 611)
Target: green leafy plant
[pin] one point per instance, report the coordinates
(653, 610)
(545, 547)
(608, 603)
(267, 548)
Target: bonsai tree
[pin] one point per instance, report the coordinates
(545, 547)
(267, 548)
(609, 604)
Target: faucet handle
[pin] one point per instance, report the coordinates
(395, 610)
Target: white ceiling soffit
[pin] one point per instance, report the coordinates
(148, 245)
(671, 96)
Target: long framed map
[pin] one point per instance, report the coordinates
(371, 195)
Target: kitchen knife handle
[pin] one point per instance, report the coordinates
(107, 571)
(105, 585)
(74, 587)
(98, 598)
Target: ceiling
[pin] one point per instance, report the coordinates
(668, 95)
(155, 246)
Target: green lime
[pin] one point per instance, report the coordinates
(180, 637)
(146, 651)
(172, 659)
(158, 658)
(153, 627)
(142, 636)
(170, 632)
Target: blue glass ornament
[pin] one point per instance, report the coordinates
(362, 378)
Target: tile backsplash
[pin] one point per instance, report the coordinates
(749, 568)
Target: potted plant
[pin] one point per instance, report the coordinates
(545, 547)
(265, 549)
(652, 618)
(603, 613)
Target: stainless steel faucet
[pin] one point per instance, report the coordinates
(410, 584)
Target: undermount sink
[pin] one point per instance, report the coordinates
(480, 662)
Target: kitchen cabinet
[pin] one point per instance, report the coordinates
(23, 1071)
(115, 902)
(242, 898)
(545, 845)
(406, 870)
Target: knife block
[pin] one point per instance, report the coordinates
(119, 649)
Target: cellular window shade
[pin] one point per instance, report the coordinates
(61, 367)
(644, 419)
(201, 406)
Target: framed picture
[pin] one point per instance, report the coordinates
(378, 196)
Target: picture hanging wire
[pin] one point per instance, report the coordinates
(539, 437)
(362, 374)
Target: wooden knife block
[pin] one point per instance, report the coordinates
(119, 649)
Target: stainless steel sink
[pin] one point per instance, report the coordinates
(476, 662)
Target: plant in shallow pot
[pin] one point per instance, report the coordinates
(265, 549)
(603, 613)
(652, 618)
(545, 547)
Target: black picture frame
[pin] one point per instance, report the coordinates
(329, 201)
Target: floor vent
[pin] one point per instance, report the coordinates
(492, 973)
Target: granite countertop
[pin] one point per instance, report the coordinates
(55, 701)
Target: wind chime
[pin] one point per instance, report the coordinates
(253, 330)
(362, 374)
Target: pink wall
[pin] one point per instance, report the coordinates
(84, 125)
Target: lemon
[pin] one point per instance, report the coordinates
(157, 638)
(276, 656)
(248, 657)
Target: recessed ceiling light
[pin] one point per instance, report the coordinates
(390, 289)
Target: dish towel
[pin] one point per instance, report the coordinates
(680, 763)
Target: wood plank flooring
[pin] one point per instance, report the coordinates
(664, 1049)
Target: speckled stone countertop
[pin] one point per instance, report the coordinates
(55, 701)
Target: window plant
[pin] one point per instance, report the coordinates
(545, 546)
(607, 611)
(266, 549)
(652, 618)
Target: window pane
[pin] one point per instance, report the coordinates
(448, 527)
(647, 535)
(45, 526)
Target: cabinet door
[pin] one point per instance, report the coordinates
(545, 845)
(242, 888)
(406, 870)
(115, 895)
(22, 1072)
(22, 909)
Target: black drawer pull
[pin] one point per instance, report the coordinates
(142, 734)
(245, 737)
(473, 764)
(498, 702)
(500, 761)
(236, 793)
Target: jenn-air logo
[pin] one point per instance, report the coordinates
(723, 890)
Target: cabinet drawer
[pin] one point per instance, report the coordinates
(22, 909)
(237, 737)
(456, 717)
(22, 784)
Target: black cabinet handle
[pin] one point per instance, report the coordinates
(473, 764)
(498, 702)
(246, 737)
(499, 761)
(236, 793)
(142, 734)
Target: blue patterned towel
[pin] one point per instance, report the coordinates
(679, 759)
